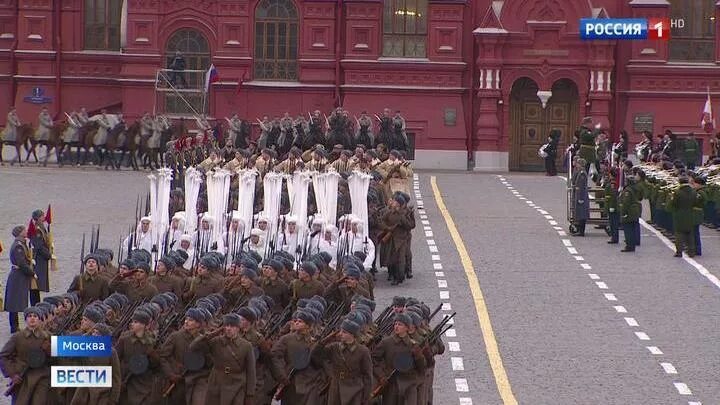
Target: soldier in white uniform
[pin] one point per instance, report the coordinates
(71, 133)
(234, 237)
(141, 238)
(9, 134)
(329, 243)
(83, 116)
(255, 243)
(45, 124)
(186, 246)
(146, 125)
(102, 132)
(289, 240)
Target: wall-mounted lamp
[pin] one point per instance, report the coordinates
(587, 104)
(544, 96)
(500, 102)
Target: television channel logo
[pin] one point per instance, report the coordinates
(627, 28)
(81, 376)
(81, 346)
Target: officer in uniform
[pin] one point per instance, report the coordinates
(42, 254)
(630, 213)
(17, 287)
(692, 151)
(682, 205)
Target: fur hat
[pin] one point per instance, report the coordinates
(141, 316)
(309, 267)
(231, 319)
(102, 329)
(247, 313)
(94, 315)
(32, 310)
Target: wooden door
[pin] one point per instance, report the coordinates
(531, 124)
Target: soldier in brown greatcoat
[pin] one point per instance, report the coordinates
(24, 359)
(274, 286)
(398, 221)
(89, 285)
(232, 379)
(190, 385)
(351, 367)
(262, 347)
(306, 286)
(165, 279)
(101, 396)
(137, 287)
(20, 277)
(242, 287)
(138, 361)
(304, 385)
(394, 351)
(207, 281)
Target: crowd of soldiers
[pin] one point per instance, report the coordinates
(683, 194)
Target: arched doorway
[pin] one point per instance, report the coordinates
(530, 124)
(194, 47)
(276, 40)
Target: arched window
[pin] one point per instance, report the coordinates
(695, 39)
(405, 28)
(194, 47)
(276, 40)
(102, 24)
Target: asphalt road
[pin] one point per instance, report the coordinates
(569, 316)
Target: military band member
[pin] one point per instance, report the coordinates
(12, 124)
(45, 124)
(692, 151)
(24, 359)
(232, 379)
(17, 287)
(681, 206)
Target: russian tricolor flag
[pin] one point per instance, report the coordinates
(211, 77)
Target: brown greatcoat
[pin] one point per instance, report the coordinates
(279, 291)
(263, 364)
(232, 379)
(351, 373)
(400, 222)
(236, 293)
(202, 286)
(133, 291)
(101, 396)
(90, 288)
(402, 389)
(301, 289)
(191, 389)
(342, 294)
(35, 386)
(139, 387)
(168, 283)
(306, 385)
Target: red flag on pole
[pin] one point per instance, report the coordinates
(31, 230)
(48, 215)
(240, 82)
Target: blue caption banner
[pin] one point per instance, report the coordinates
(81, 346)
(613, 28)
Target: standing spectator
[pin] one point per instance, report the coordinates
(178, 70)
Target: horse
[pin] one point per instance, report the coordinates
(54, 141)
(23, 138)
(86, 135)
(116, 139)
(131, 145)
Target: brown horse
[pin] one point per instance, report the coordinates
(87, 136)
(129, 145)
(24, 138)
(55, 141)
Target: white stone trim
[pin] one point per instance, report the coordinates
(491, 161)
(435, 159)
(489, 79)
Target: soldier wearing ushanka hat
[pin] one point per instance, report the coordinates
(306, 286)
(29, 350)
(136, 287)
(86, 395)
(274, 286)
(350, 367)
(165, 279)
(208, 280)
(233, 376)
(138, 359)
(89, 285)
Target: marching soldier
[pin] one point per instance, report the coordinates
(45, 124)
(232, 379)
(398, 221)
(89, 285)
(188, 386)
(265, 162)
(101, 396)
(207, 281)
(351, 368)
(42, 254)
(399, 364)
(165, 279)
(273, 286)
(12, 124)
(17, 287)
(25, 360)
(306, 286)
(138, 360)
(137, 288)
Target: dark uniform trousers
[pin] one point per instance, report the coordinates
(614, 223)
(685, 240)
(631, 232)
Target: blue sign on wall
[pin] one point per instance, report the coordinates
(38, 97)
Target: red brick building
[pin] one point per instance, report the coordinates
(469, 77)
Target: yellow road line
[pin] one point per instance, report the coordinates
(491, 346)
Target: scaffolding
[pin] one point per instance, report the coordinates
(180, 94)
